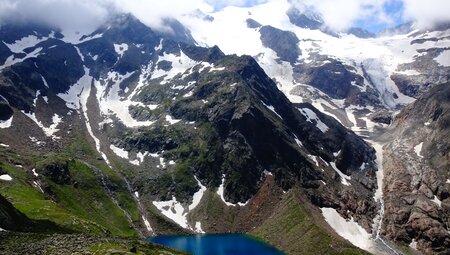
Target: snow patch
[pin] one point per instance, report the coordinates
(418, 149)
(111, 103)
(314, 159)
(4, 145)
(37, 185)
(120, 48)
(26, 42)
(6, 123)
(197, 196)
(348, 229)
(5, 177)
(48, 131)
(141, 156)
(11, 60)
(92, 37)
(298, 142)
(436, 201)
(173, 210)
(147, 224)
(220, 192)
(312, 117)
(444, 58)
(267, 173)
(44, 81)
(344, 178)
(76, 98)
(413, 244)
(198, 227)
(119, 152)
(272, 109)
(179, 65)
(171, 120)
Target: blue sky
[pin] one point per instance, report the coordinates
(394, 11)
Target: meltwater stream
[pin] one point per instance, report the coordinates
(378, 222)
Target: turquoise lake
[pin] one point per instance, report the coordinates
(222, 244)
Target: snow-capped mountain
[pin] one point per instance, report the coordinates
(359, 76)
(173, 131)
(360, 79)
(173, 128)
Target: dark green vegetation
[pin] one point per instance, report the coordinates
(72, 194)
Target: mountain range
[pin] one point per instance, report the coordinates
(313, 140)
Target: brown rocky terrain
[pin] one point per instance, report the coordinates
(416, 174)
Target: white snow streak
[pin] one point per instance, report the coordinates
(344, 178)
(119, 152)
(312, 117)
(272, 109)
(220, 192)
(197, 196)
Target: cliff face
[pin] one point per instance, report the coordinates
(417, 177)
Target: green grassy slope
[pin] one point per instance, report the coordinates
(293, 230)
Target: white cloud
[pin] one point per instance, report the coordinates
(342, 14)
(89, 14)
(151, 12)
(67, 14)
(82, 15)
(427, 13)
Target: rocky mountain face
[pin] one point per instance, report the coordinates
(350, 75)
(361, 80)
(170, 137)
(167, 135)
(416, 173)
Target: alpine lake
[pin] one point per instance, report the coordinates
(216, 244)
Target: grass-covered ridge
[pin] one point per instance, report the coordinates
(292, 229)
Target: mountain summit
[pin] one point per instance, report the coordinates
(309, 139)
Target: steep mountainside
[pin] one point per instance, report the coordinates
(417, 177)
(166, 136)
(359, 79)
(130, 132)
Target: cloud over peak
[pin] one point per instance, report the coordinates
(85, 15)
